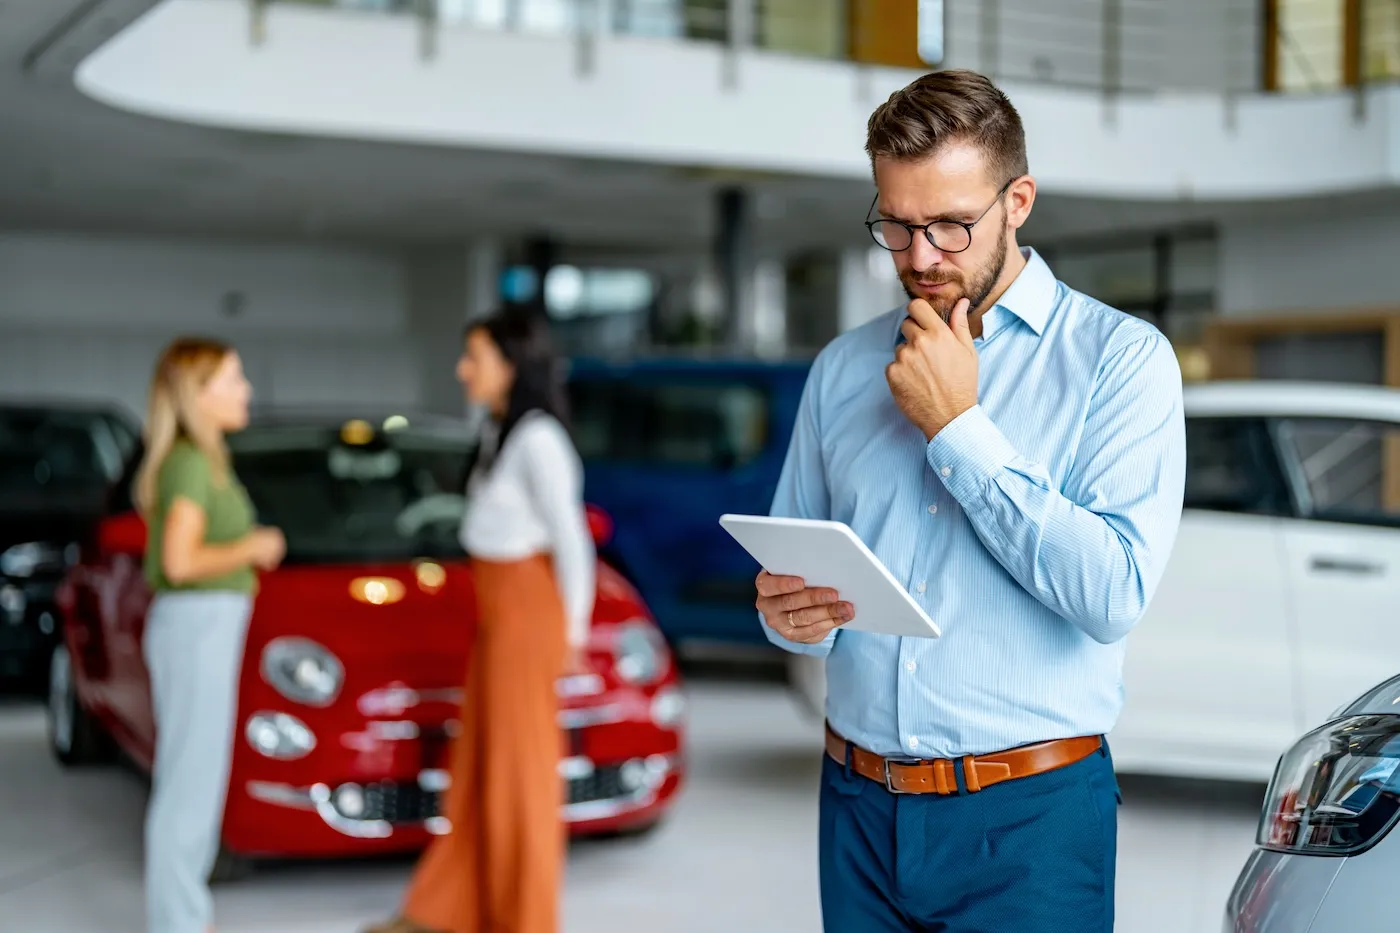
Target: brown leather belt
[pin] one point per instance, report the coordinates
(939, 775)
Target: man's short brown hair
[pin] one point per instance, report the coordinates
(944, 107)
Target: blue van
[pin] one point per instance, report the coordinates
(669, 445)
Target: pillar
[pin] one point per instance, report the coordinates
(735, 263)
(447, 287)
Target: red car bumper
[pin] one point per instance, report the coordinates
(375, 787)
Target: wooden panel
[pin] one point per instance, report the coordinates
(1271, 41)
(885, 32)
(1351, 42)
(1231, 341)
(1391, 452)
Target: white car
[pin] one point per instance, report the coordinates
(1282, 598)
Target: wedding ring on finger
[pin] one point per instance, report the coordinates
(791, 624)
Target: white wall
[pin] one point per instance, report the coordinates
(1309, 263)
(86, 315)
(58, 279)
(333, 73)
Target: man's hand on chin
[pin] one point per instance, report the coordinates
(934, 374)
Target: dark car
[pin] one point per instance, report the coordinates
(57, 461)
(668, 446)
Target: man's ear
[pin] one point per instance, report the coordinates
(1020, 198)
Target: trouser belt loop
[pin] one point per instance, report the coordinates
(850, 753)
(960, 776)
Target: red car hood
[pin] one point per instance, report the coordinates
(366, 611)
(418, 634)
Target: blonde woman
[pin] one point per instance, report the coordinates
(201, 563)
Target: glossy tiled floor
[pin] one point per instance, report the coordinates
(737, 854)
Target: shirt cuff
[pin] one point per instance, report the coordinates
(968, 452)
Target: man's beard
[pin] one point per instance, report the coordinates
(976, 291)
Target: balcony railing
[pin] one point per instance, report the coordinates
(1116, 46)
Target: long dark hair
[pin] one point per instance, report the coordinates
(524, 340)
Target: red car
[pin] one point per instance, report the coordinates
(357, 650)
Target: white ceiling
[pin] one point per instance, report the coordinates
(67, 162)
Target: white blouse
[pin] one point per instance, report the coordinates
(530, 501)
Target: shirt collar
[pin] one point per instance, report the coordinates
(1030, 297)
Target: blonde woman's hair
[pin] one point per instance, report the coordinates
(184, 368)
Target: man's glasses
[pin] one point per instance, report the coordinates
(947, 236)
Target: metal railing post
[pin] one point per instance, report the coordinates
(989, 37)
(427, 14)
(1353, 55)
(586, 40)
(1111, 63)
(257, 21)
(741, 22)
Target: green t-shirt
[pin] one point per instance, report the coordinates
(228, 516)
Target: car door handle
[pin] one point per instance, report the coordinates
(1347, 565)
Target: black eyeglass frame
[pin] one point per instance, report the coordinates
(924, 228)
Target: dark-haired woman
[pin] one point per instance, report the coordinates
(499, 869)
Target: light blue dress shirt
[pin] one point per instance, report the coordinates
(1033, 529)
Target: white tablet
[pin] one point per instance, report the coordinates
(829, 554)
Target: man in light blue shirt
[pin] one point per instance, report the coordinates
(1014, 452)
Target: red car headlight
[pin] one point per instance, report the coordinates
(302, 670)
(640, 655)
(1337, 790)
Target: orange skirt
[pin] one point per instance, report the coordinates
(499, 869)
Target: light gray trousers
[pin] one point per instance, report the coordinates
(194, 650)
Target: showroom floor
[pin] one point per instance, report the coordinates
(738, 852)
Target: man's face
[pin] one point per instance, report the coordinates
(953, 185)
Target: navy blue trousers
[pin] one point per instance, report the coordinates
(1033, 855)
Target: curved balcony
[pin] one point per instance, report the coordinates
(1122, 98)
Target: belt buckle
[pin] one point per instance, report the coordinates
(889, 779)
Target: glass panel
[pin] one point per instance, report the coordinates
(657, 18)
(815, 28)
(1352, 468)
(1380, 39)
(1230, 467)
(1310, 44)
(1356, 357)
(707, 19)
(395, 498)
(1118, 277)
(712, 425)
(931, 31)
(50, 454)
(572, 292)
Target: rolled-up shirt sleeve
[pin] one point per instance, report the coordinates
(1094, 549)
(802, 490)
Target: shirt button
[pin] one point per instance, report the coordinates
(946, 471)
(933, 510)
(911, 666)
(922, 586)
(913, 741)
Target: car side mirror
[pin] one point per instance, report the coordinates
(600, 525)
(124, 533)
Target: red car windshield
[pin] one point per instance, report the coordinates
(386, 496)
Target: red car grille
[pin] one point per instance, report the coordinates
(405, 802)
